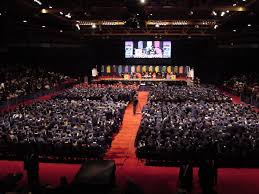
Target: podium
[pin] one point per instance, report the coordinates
(126, 76)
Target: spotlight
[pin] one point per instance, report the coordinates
(249, 25)
(227, 11)
(50, 6)
(191, 13)
(234, 5)
(93, 26)
(61, 31)
(222, 13)
(24, 21)
(61, 13)
(151, 14)
(216, 26)
(0, 14)
(157, 25)
(234, 30)
(214, 13)
(142, 1)
(44, 11)
(43, 26)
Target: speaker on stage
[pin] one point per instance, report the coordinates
(95, 174)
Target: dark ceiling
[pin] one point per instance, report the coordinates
(73, 20)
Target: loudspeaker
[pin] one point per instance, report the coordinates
(99, 173)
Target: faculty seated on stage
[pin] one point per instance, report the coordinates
(154, 75)
(168, 76)
(199, 125)
(138, 75)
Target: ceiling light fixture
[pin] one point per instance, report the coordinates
(222, 13)
(78, 27)
(43, 26)
(142, 1)
(61, 31)
(234, 30)
(234, 4)
(214, 13)
(249, 25)
(61, 13)
(50, 7)
(216, 26)
(93, 26)
(68, 15)
(24, 21)
(157, 25)
(37, 1)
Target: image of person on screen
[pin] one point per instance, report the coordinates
(159, 53)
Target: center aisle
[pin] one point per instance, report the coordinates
(129, 170)
(122, 149)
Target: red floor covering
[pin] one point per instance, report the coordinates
(151, 180)
(237, 100)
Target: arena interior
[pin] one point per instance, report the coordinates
(129, 97)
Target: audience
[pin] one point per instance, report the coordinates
(17, 81)
(117, 92)
(78, 123)
(203, 126)
(246, 86)
(182, 93)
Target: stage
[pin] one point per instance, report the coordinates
(111, 80)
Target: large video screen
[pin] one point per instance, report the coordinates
(148, 49)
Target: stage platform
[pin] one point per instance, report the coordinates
(106, 80)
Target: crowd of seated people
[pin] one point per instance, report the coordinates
(182, 93)
(116, 92)
(65, 127)
(245, 86)
(19, 80)
(203, 128)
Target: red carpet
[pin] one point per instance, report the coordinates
(151, 180)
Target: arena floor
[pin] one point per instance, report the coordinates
(150, 180)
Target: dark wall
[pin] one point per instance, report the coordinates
(211, 62)
(70, 60)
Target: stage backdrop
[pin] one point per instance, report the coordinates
(118, 70)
